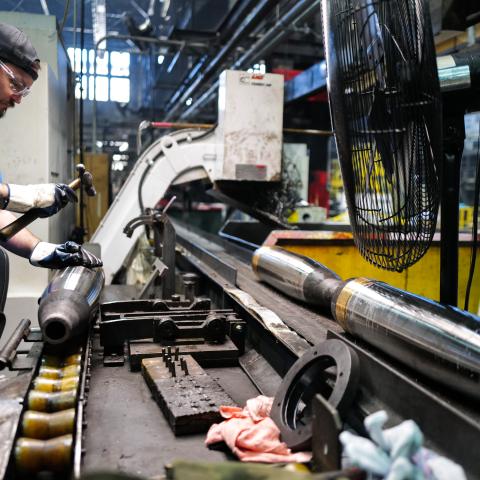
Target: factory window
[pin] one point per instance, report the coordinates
(112, 75)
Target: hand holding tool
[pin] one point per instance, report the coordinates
(85, 178)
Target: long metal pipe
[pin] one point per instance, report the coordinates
(67, 303)
(300, 12)
(247, 25)
(442, 343)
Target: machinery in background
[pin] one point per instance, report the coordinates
(245, 147)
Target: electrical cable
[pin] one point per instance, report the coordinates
(473, 258)
(147, 170)
(65, 15)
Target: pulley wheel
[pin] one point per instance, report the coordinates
(330, 369)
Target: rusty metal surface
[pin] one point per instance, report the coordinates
(189, 398)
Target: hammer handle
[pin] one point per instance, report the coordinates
(27, 218)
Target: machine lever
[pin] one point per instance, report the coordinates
(85, 178)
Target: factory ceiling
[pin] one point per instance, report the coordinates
(190, 41)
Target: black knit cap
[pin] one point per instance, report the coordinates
(16, 48)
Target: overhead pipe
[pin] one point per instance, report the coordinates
(226, 30)
(300, 12)
(250, 22)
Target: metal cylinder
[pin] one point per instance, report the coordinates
(52, 385)
(295, 275)
(32, 456)
(440, 342)
(42, 426)
(190, 282)
(67, 303)
(51, 401)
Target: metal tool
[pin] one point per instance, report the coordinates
(311, 375)
(67, 303)
(85, 178)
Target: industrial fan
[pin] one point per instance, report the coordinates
(386, 111)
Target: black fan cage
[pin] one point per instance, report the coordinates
(386, 110)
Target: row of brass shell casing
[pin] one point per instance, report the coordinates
(48, 423)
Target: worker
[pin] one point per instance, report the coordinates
(19, 66)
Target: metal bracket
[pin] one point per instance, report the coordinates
(164, 239)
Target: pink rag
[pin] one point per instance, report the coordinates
(252, 435)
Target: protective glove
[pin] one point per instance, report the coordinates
(69, 254)
(46, 199)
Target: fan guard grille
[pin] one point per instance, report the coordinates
(386, 110)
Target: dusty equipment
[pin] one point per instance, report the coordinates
(440, 342)
(245, 146)
(386, 110)
(68, 303)
(84, 179)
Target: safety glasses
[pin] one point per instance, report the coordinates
(17, 86)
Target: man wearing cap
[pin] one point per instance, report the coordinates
(19, 66)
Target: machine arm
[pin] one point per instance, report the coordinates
(179, 157)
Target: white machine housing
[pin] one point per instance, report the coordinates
(250, 122)
(246, 145)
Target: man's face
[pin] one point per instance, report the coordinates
(9, 86)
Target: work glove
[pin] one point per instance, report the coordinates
(69, 254)
(45, 199)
